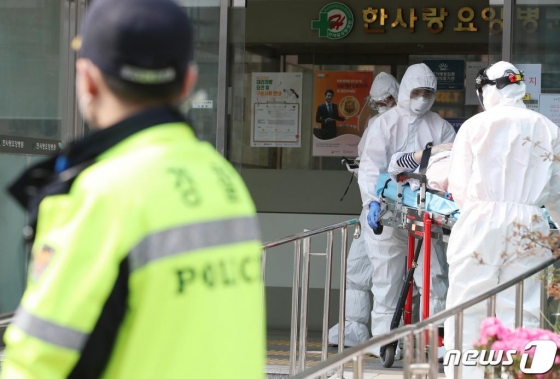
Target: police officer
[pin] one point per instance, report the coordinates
(145, 243)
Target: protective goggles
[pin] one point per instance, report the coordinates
(510, 77)
(426, 93)
(386, 102)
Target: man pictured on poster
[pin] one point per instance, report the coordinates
(327, 115)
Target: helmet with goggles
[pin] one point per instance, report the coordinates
(509, 77)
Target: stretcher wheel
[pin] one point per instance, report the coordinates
(388, 357)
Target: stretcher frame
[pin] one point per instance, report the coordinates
(419, 223)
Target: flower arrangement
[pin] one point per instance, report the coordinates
(497, 340)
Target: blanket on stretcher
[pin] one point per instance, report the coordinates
(434, 203)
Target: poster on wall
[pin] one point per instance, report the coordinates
(276, 109)
(450, 74)
(532, 79)
(549, 106)
(341, 112)
(472, 70)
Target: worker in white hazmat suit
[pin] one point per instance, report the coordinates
(499, 178)
(408, 127)
(382, 97)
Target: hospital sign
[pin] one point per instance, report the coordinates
(336, 20)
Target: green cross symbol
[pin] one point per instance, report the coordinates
(322, 24)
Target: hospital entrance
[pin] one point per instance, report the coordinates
(295, 51)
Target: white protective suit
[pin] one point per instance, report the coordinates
(498, 178)
(358, 269)
(400, 130)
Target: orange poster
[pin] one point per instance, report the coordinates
(341, 112)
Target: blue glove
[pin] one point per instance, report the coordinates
(373, 214)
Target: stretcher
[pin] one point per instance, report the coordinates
(422, 213)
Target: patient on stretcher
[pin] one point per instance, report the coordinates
(436, 172)
(436, 175)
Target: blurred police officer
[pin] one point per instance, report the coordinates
(145, 244)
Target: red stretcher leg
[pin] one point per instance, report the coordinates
(427, 264)
(408, 304)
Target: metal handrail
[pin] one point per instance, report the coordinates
(310, 233)
(302, 261)
(356, 353)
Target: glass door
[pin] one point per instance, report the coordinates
(35, 69)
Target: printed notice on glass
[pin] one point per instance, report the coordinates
(276, 124)
(276, 109)
(532, 78)
(549, 106)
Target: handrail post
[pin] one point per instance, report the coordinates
(342, 306)
(304, 303)
(519, 304)
(422, 344)
(544, 302)
(327, 297)
(358, 367)
(458, 373)
(408, 354)
(295, 311)
(263, 268)
(491, 307)
(434, 339)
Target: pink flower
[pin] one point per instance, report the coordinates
(495, 336)
(493, 328)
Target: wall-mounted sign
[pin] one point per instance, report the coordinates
(532, 79)
(335, 21)
(472, 22)
(378, 20)
(450, 74)
(29, 146)
(341, 112)
(549, 106)
(203, 104)
(276, 109)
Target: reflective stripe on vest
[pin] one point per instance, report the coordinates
(188, 238)
(49, 332)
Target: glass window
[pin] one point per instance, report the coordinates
(536, 36)
(202, 105)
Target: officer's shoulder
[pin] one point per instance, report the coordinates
(144, 167)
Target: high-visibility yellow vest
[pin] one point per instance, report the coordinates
(149, 267)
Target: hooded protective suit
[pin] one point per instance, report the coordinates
(497, 179)
(399, 130)
(359, 271)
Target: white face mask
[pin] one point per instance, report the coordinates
(419, 105)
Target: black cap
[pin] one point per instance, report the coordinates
(146, 42)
